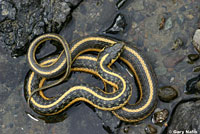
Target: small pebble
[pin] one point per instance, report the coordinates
(150, 129)
(171, 79)
(126, 129)
(190, 16)
(134, 25)
(182, 9)
(198, 86)
(193, 85)
(177, 44)
(167, 93)
(196, 40)
(3, 126)
(172, 61)
(196, 46)
(192, 58)
(168, 24)
(118, 25)
(196, 69)
(180, 19)
(160, 116)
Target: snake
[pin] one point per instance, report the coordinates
(135, 60)
(92, 95)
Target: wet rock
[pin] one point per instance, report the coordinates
(196, 36)
(110, 122)
(177, 44)
(196, 40)
(150, 129)
(118, 25)
(138, 17)
(138, 5)
(7, 11)
(190, 16)
(22, 21)
(61, 12)
(196, 46)
(74, 3)
(172, 60)
(126, 129)
(192, 58)
(182, 9)
(134, 25)
(196, 69)
(120, 3)
(193, 85)
(167, 93)
(160, 70)
(180, 19)
(168, 24)
(4, 92)
(140, 41)
(198, 86)
(6, 26)
(150, 6)
(160, 115)
(186, 117)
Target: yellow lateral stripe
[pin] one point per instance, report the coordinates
(54, 61)
(114, 74)
(87, 57)
(91, 39)
(42, 93)
(149, 82)
(95, 73)
(136, 76)
(147, 74)
(88, 101)
(65, 94)
(73, 48)
(30, 48)
(133, 120)
(72, 69)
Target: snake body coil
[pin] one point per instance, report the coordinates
(130, 56)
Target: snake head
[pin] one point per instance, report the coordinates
(112, 53)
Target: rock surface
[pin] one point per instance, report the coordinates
(21, 21)
(196, 40)
(196, 37)
(167, 93)
(186, 118)
(118, 25)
